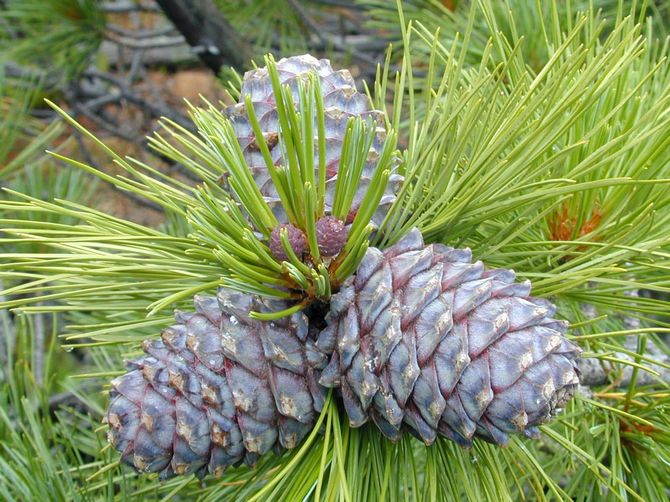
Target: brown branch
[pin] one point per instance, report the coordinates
(208, 32)
(139, 33)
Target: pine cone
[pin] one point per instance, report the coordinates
(421, 336)
(331, 235)
(341, 101)
(296, 239)
(220, 388)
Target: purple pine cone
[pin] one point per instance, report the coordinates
(218, 389)
(341, 101)
(421, 338)
(331, 234)
(296, 238)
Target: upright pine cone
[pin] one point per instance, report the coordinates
(341, 101)
(421, 336)
(220, 388)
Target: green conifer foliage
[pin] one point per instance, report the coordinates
(557, 167)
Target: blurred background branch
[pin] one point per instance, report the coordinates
(208, 32)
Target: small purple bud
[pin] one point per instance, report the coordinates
(331, 235)
(296, 238)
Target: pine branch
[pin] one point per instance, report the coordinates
(209, 33)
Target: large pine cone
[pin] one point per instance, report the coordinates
(220, 388)
(423, 337)
(341, 101)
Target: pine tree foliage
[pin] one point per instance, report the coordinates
(21, 139)
(514, 18)
(556, 167)
(63, 34)
(270, 23)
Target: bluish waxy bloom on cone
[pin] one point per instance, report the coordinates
(423, 338)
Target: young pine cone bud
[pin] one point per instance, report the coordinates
(296, 239)
(421, 336)
(341, 101)
(331, 235)
(218, 389)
